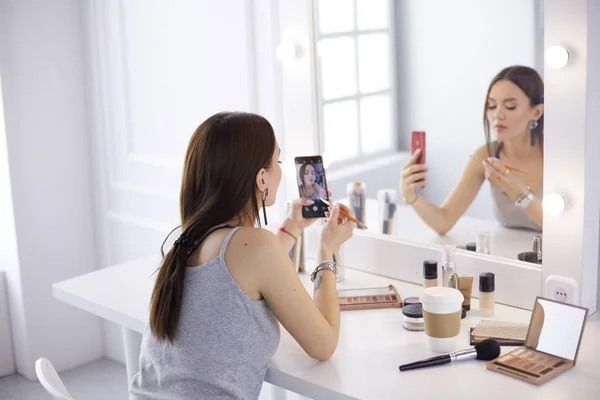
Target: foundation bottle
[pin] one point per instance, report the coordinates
(448, 266)
(430, 273)
(487, 294)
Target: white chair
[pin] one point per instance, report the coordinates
(50, 380)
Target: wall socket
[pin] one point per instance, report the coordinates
(562, 289)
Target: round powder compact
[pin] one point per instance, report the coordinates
(413, 317)
(411, 300)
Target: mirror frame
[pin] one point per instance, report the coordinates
(570, 239)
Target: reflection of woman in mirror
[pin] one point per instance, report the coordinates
(514, 108)
(309, 189)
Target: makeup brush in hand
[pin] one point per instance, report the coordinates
(487, 350)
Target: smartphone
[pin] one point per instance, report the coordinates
(418, 142)
(312, 185)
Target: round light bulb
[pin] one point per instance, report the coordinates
(287, 53)
(557, 57)
(554, 203)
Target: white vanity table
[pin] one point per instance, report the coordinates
(372, 345)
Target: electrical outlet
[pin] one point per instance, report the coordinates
(562, 289)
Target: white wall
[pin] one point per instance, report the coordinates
(9, 258)
(49, 232)
(7, 357)
(157, 70)
(448, 52)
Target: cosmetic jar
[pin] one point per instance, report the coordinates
(430, 273)
(413, 317)
(528, 256)
(487, 294)
(448, 266)
(411, 300)
(482, 245)
(471, 246)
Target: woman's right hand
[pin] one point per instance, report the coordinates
(413, 178)
(337, 230)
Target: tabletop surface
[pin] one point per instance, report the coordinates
(372, 345)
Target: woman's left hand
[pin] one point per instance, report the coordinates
(295, 215)
(504, 179)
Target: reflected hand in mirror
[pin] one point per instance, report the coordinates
(414, 176)
(513, 126)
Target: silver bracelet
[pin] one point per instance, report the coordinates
(325, 265)
(525, 199)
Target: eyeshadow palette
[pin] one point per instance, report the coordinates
(551, 346)
(530, 365)
(369, 298)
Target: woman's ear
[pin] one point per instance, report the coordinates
(538, 111)
(261, 180)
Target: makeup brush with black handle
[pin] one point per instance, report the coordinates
(487, 350)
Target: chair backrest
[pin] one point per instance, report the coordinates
(50, 380)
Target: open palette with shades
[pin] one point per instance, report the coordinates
(369, 298)
(551, 346)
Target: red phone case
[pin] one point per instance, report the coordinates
(418, 142)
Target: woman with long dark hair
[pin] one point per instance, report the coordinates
(225, 286)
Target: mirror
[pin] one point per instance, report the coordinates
(386, 68)
(556, 328)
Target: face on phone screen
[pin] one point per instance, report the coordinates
(312, 185)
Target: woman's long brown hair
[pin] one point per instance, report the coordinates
(530, 82)
(218, 185)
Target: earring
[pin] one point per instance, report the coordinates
(264, 206)
(532, 126)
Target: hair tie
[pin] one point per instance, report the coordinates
(183, 240)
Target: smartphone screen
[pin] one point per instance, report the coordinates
(418, 142)
(312, 185)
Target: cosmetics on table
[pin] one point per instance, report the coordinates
(465, 285)
(430, 273)
(411, 300)
(413, 317)
(551, 346)
(442, 309)
(528, 256)
(506, 333)
(487, 294)
(483, 243)
(369, 298)
(386, 200)
(537, 248)
(357, 192)
(448, 266)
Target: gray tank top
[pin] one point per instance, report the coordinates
(223, 345)
(507, 213)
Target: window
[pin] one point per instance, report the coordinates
(354, 43)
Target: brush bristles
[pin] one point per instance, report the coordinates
(488, 349)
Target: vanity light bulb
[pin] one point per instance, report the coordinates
(554, 203)
(286, 53)
(557, 57)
